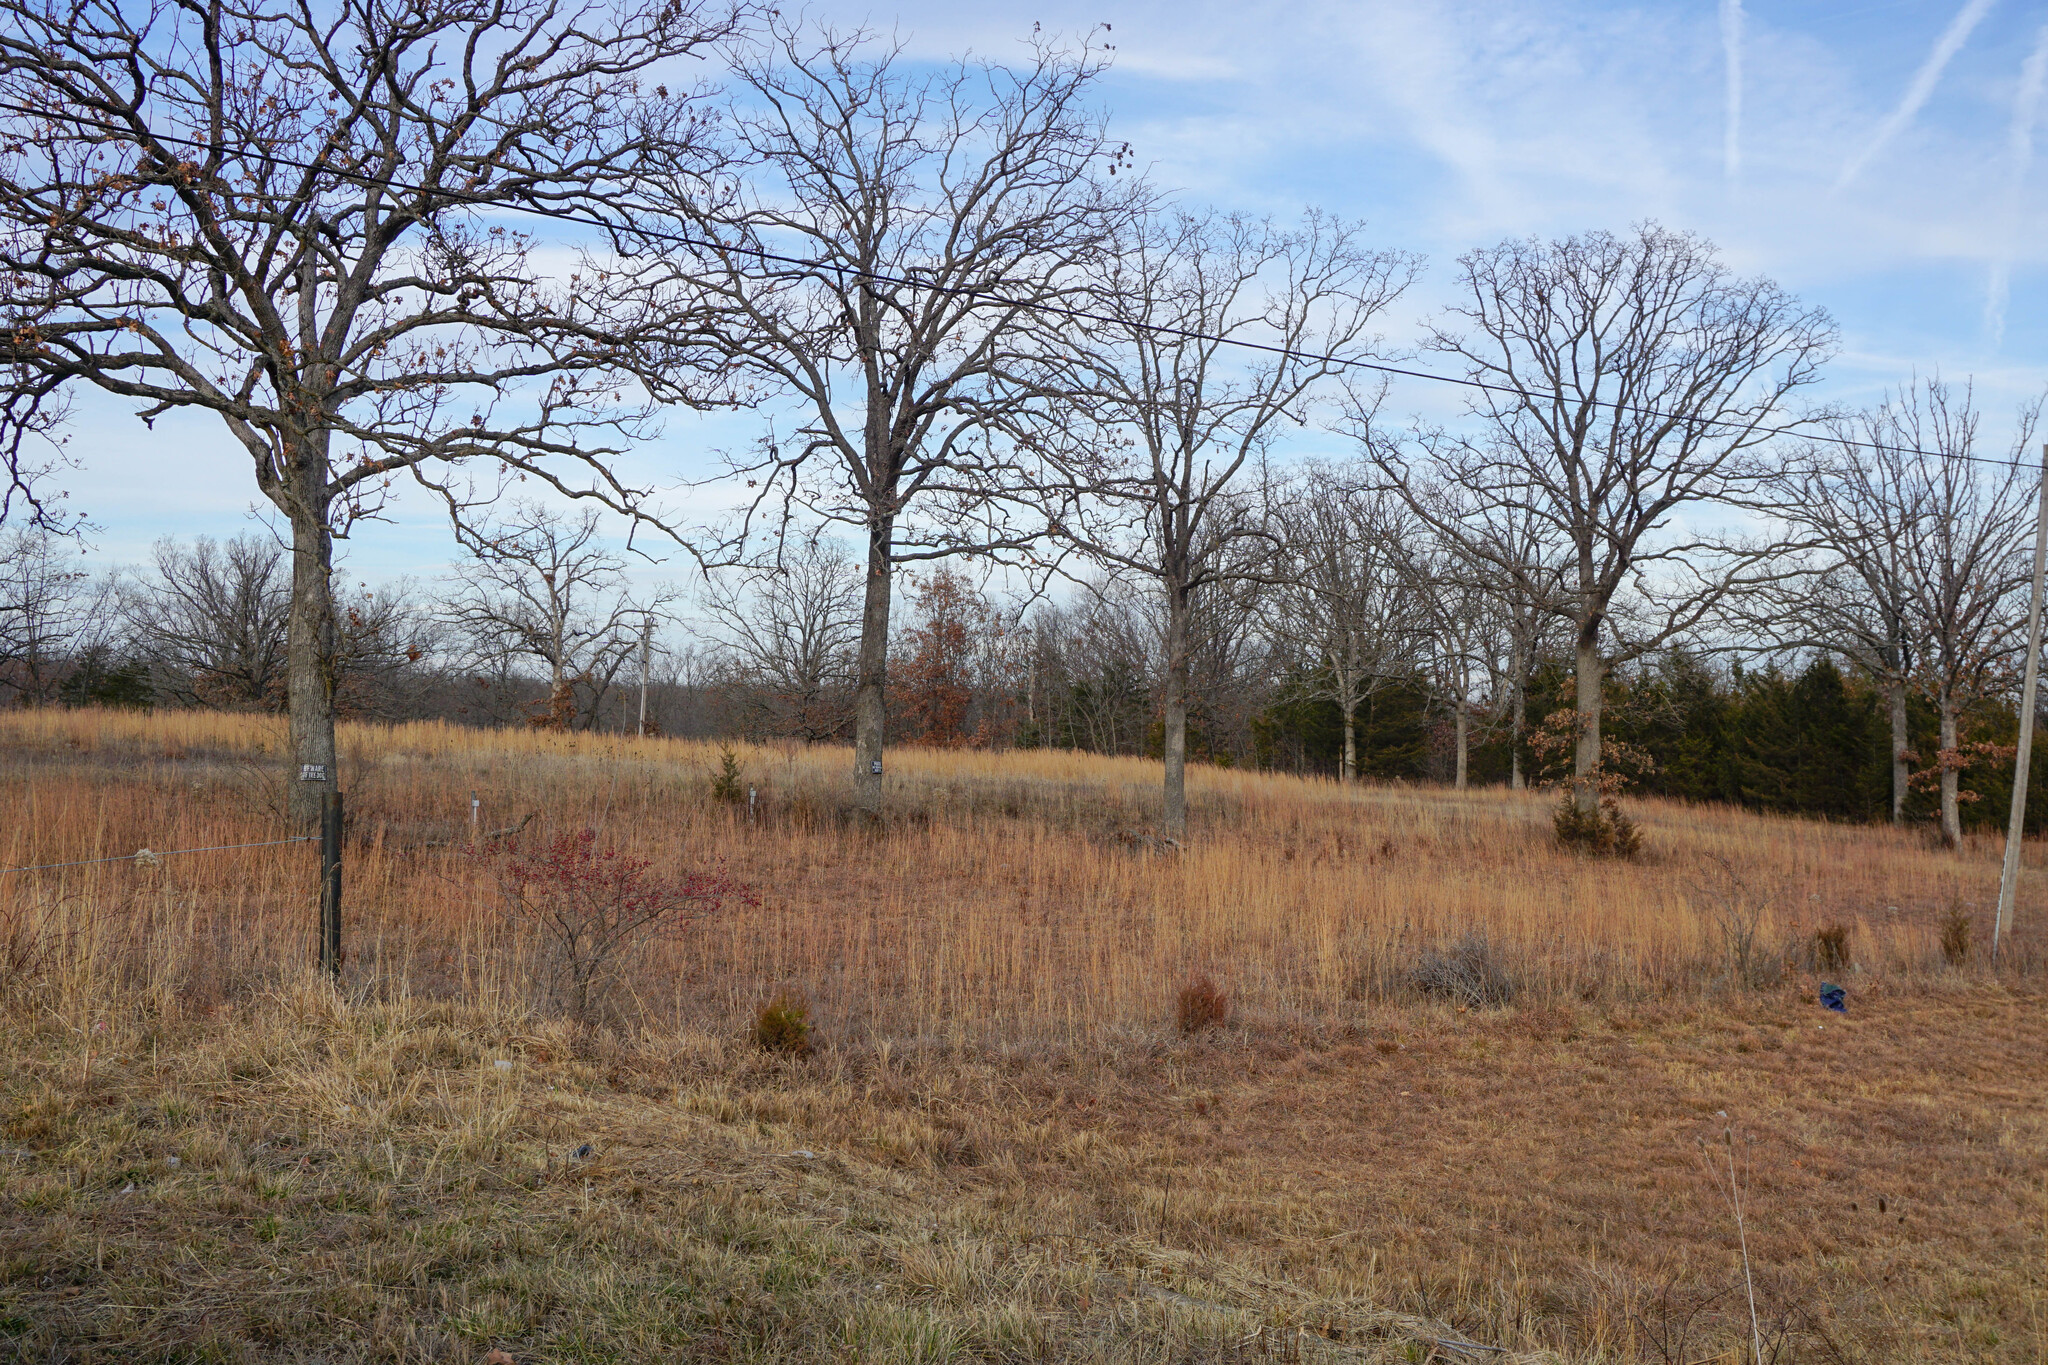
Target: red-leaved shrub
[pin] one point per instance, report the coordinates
(592, 904)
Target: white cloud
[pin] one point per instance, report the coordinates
(1731, 57)
(2026, 116)
(1924, 80)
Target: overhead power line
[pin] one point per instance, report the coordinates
(811, 266)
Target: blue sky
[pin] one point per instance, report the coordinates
(1875, 158)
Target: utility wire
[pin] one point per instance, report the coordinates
(143, 855)
(122, 135)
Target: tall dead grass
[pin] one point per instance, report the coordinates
(1005, 894)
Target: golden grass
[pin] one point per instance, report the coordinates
(1009, 895)
(1017, 1155)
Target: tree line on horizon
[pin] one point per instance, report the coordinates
(202, 626)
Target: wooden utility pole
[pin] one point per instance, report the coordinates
(2008, 880)
(646, 661)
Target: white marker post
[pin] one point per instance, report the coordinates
(646, 663)
(2009, 876)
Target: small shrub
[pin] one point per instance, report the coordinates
(1955, 936)
(1201, 1004)
(729, 783)
(1468, 973)
(594, 904)
(1831, 947)
(783, 1026)
(1603, 832)
(1736, 911)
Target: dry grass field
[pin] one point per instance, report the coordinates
(1002, 1147)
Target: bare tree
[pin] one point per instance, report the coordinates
(1861, 500)
(1167, 414)
(1515, 587)
(1232, 659)
(52, 609)
(1089, 668)
(1628, 380)
(389, 644)
(1966, 562)
(913, 220)
(1465, 647)
(212, 621)
(288, 216)
(792, 629)
(1523, 601)
(1921, 550)
(545, 587)
(1344, 603)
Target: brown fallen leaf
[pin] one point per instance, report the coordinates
(499, 1358)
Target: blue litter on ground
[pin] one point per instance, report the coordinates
(1834, 998)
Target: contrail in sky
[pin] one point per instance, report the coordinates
(1731, 51)
(1924, 80)
(2019, 142)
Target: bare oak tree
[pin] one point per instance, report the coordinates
(212, 621)
(1627, 382)
(544, 587)
(1966, 562)
(874, 257)
(52, 610)
(1167, 413)
(1343, 603)
(290, 216)
(791, 628)
(1918, 562)
(1465, 651)
(1519, 577)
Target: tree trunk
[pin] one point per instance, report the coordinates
(871, 686)
(1464, 724)
(561, 712)
(1591, 672)
(1176, 746)
(1516, 782)
(1951, 810)
(1902, 770)
(1348, 772)
(309, 658)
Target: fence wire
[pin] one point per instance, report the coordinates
(145, 856)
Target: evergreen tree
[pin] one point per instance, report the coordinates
(98, 679)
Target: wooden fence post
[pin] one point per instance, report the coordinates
(330, 883)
